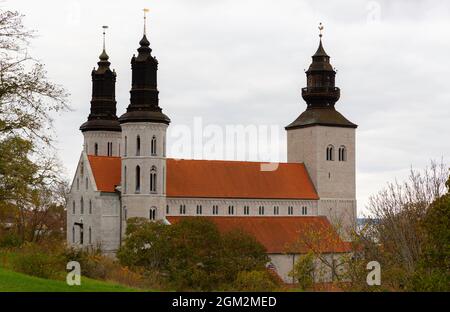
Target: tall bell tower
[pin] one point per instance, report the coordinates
(324, 140)
(102, 129)
(144, 126)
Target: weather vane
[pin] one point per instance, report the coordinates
(145, 20)
(320, 29)
(104, 34)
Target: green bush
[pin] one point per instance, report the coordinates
(9, 240)
(38, 264)
(254, 281)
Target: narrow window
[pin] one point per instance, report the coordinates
(82, 168)
(199, 209)
(182, 209)
(90, 206)
(138, 146)
(73, 207)
(152, 213)
(330, 153)
(230, 210)
(153, 146)
(90, 235)
(290, 210)
(138, 179)
(96, 149)
(167, 209)
(342, 153)
(87, 183)
(125, 180)
(78, 184)
(153, 180)
(81, 235)
(261, 210)
(276, 210)
(215, 210)
(246, 210)
(125, 212)
(126, 147)
(73, 234)
(81, 206)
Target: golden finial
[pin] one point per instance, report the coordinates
(104, 35)
(320, 29)
(145, 20)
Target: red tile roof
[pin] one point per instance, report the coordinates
(107, 172)
(238, 179)
(218, 179)
(284, 234)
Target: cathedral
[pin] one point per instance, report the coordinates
(124, 172)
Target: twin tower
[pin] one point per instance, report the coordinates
(139, 135)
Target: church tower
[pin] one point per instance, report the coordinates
(324, 140)
(144, 135)
(102, 129)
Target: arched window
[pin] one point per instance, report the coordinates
(81, 236)
(90, 235)
(73, 207)
(261, 210)
(81, 206)
(342, 153)
(82, 168)
(152, 213)
(153, 180)
(138, 179)
(90, 206)
(87, 183)
(138, 146)
(126, 147)
(153, 146)
(96, 149)
(330, 153)
(73, 234)
(125, 180)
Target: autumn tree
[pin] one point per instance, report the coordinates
(29, 172)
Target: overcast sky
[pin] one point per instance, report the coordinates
(242, 62)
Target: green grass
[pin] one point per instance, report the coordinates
(13, 281)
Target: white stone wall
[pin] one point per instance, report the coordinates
(138, 203)
(103, 219)
(102, 138)
(334, 180)
(174, 204)
(284, 264)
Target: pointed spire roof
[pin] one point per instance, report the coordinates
(320, 50)
(102, 116)
(144, 101)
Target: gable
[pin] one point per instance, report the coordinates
(107, 172)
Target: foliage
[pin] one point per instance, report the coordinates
(303, 271)
(409, 235)
(190, 254)
(254, 281)
(30, 181)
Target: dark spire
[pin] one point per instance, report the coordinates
(321, 94)
(144, 102)
(103, 104)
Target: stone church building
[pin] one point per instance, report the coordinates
(124, 172)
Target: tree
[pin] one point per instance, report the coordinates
(191, 254)
(409, 224)
(29, 173)
(303, 271)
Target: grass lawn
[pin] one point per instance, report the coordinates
(13, 281)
